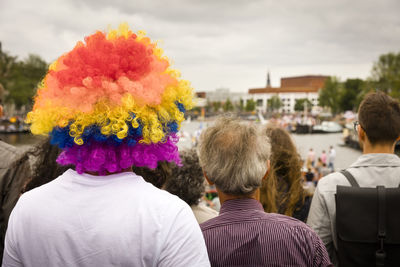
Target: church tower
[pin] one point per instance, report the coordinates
(268, 80)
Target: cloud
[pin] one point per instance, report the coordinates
(220, 43)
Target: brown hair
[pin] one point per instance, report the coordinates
(282, 190)
(379, 116)
(45, 168)
(158, 176)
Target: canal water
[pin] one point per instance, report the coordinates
(344, 155)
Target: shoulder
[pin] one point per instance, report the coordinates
(273, 221)
(128, 189)
(11, 155)
(328, 183)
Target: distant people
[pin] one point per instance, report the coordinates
(323, 156)
(14, 171)
(109, 104)
(186, 181)
(311, 157)
(325, 170)
(378, 129)
(332, 157)
(235, 157)
(318, 167)
(310, 176)
(282, 191)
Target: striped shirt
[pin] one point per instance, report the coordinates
(244, 235)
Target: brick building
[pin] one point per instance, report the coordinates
(291, 88)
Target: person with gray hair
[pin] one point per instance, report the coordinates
(234, 156)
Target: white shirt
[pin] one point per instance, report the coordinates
(332, 155)
(370, 170)
(203, 213)
(115, 220)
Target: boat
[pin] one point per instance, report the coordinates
(327, 127)
(350, 136)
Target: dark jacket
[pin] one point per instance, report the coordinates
(14, 171)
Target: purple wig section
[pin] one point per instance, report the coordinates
(104, 158)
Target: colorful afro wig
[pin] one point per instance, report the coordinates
(111, 103)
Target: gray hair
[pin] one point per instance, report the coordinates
(234, 155)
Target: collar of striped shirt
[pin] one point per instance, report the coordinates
(240, 204)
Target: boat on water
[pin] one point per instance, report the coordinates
(327, 127)
(350, 136)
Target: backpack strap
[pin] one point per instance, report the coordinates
(380, 254)
(350, 178)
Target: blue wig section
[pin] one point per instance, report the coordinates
(60, 135)
(180, 106)
(172, 127)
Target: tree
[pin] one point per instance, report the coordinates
(386, 74)
(329, 94)
(241, 104)
(216, 106)
(7, 64)
(349, 94)
(20, 78)
(250, 105)
(228, 106)
(301, 102)
(274, 103)
(25, 78)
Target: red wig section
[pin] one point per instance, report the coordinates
(100, 58)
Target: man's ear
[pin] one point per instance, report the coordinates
(361, 133)
(268, 168)
(208, 180)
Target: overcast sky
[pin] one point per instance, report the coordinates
(215, 43)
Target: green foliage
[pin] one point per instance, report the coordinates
(241, 105)
(228, 106)
(301, 102)
(274, 103)
(350, 94)
(250, 105)
(330, 94)
(20, 78)
(216, 106)
(386, 74)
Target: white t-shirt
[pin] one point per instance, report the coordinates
(115, 220)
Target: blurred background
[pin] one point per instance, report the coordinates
(303, 65)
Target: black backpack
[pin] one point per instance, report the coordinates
(367, 225)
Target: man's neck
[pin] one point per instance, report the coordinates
(109, 173)
(378, 148)
(225, 197)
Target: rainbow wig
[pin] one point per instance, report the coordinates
(111, 103)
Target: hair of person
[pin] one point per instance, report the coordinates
(44, 167)
(379, 116)
(234, 155)
(282, 191)
(158, 176)
(187, 181)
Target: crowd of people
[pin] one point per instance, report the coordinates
(317, 167)
(110, 192)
